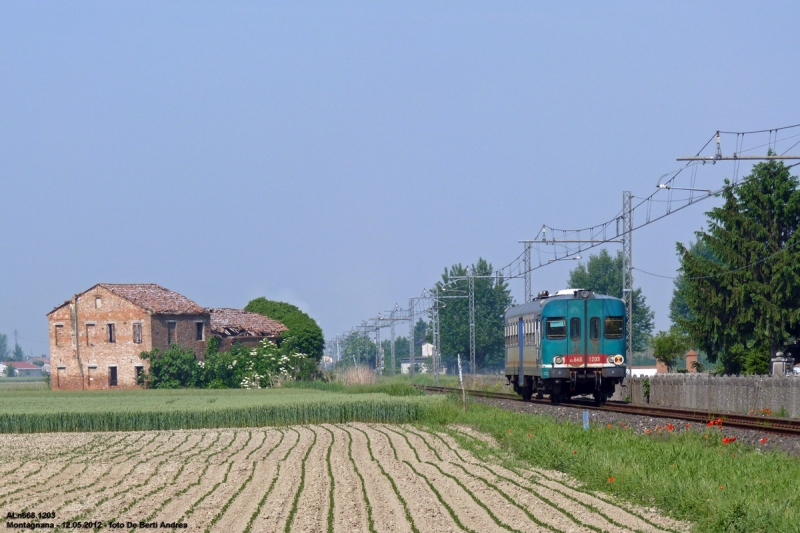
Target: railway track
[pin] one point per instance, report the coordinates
(783, 426)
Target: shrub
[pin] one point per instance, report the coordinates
(175, 368)
(303, 334)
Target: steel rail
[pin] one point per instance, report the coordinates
(784, 426)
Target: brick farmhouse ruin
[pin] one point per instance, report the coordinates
(97, 336)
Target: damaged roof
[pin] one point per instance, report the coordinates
(150, 297)
(155, 298)
(227, 322)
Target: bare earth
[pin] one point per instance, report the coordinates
(380, 477)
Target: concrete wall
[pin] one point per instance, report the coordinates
(735, 394)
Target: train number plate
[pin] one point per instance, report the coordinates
(594, 359)
(573, 360)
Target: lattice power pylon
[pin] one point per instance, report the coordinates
(627, 269)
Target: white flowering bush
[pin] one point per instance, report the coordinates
(248, 367)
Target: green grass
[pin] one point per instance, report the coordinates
(48, 411)
(680, 473)
(23, 383)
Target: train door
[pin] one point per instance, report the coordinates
(576, 323)
(594, 316)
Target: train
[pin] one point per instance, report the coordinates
(567, 344)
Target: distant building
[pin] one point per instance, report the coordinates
(427, 350)
(637, 371)
(3, 368)
(405, 366)
(22, 368)
(691, 359)
(97, 336)
(236, 325)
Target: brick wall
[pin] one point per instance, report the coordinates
(97, 310)
(98, 355)
(185, 331)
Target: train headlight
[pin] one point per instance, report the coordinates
(558, 360)
(618, 359)
(610, 359)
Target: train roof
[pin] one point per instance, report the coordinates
(535, 306)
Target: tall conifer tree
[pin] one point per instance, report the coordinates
(745, 300)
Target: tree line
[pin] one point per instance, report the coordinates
(736, 296)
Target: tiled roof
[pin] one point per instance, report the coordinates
(154, 298)
(22, 365)
(227, 322)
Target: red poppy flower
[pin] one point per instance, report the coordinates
(608, 426)
(574, 452)
(670, 427)
(611, 480)
(648, 431)
(710, 423)
(728, 440)
(687, 424)
(763, 441)
(721, 487)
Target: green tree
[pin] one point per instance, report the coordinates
(744, 299)
(669, 347)
(174, 368)
(492, 298)
(678, 307)
(3, 347)
(360, 348)
(400, 352)
(303, 334)
(18, 354)
(420, 336)
(603, 275)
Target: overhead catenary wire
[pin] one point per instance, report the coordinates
(762, 260)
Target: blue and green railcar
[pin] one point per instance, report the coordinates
(567, 344)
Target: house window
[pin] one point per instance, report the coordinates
(172, 328)
(139, 375)
(59, 333)
(112, 376)
(89, 334)
(98, 302)
(137, 333)
(112, 334)
(198, 331)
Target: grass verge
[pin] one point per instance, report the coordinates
(720, 488)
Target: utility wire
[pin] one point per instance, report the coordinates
(785, 248)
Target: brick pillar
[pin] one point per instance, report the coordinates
(691, 357)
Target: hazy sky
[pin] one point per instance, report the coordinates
(339, 155)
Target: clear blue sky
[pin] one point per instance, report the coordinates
(339, 155)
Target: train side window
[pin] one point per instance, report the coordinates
(594, 328)
(574, 329)
(613, 327)
(556, 328)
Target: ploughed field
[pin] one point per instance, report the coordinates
(312, 478)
